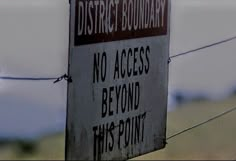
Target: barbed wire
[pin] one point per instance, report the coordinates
(69, 79)
(56, 79)
(66, 77)
(203, 47)
(217, 116)
(202, 123)
(27, 78)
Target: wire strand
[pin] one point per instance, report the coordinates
(203, 47)
(174, 56)
(202, 123)
(26, 78)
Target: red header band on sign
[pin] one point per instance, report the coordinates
(110, 20)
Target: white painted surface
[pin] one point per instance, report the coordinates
(98, 119)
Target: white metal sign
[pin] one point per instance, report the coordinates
(117, 102)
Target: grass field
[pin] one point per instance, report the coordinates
(215, 140)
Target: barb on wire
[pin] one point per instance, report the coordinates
(203, 47)
(65, 77)
(202, 123)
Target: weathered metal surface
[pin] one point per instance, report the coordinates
(117, 103)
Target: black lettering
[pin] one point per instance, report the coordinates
(104, 66)
(118, 89)
(111, 144)
(104, 102)
(116, 71)
(147, 67)
(127, 132)
(132, 131)
(135, 72)
(97, 70)
(95, 142)
(123, 54)
(123, 98)
(110, 101)
(96, 60)
(130, 96)
(121, 131)
(101, 139)
(106, 142)
(137, 95)
(129, 69)
(141, 52)
(137, 129)
(143, 117)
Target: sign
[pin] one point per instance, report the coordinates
(117, 102)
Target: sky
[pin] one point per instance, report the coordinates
(34, 43)
(196, 23)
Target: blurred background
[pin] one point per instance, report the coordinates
(34, 43)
